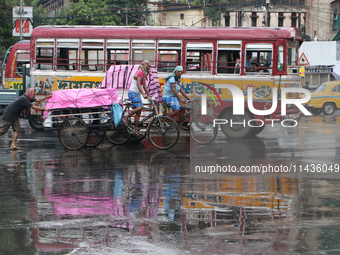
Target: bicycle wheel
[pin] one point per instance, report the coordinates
(163, 132)
(119, 135)
(202, 129)
(95, 138)
(73, 133)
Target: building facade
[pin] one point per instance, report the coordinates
(317, 18)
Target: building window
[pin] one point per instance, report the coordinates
(227, 19)
(334, 18)
(294, 19)
(240, 18)
(280, 20)
(182, 16)
(268, 20)
(254, 19)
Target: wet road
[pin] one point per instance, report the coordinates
(135, 199)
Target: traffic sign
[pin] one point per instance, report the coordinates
(303, 60)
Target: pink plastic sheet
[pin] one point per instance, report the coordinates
(82, 98)
(121, 77)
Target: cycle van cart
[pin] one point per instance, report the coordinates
(81, 116)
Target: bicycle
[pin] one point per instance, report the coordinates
(201, 127)
(162, 131)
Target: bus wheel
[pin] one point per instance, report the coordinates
(36, 122)
(256, 130)
(328, 108)
(235, 131)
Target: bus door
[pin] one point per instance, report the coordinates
(23, 58)
(3, 70)
(257, 67)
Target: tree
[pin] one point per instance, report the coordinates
(136, 11)
(6, 28)
(214, 10)
(40, 14)
(88, 12)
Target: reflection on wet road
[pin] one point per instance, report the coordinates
(135, 199)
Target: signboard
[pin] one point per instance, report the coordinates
(302, 71)
(318, 53)
(319, 70)
(26, 14)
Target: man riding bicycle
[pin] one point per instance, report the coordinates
(171, 94)
(138, 88)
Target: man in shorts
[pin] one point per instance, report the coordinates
(171, 95)
(138, 88)
(12, 112)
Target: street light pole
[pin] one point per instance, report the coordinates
(20, 20)
(219, 13)
(126, 17)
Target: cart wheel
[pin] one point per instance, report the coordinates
(119, 135)
(73, 133)
(95, 138)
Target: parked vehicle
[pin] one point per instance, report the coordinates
(325, 99)
(12, 71)
(16, 56)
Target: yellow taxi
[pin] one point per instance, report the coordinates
(326, 98)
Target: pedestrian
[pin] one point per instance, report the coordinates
(138, 88)
(171, 94)
(12, 112)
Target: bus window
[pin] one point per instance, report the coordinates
(92, 54)
(23, 56)
(18, 71)
(44, 54)
(118, 52)
(260, 60)
(143, 50)
(67, 54)
(292, 57)
(167, 61)
(199, 57)
(228, 57)
(280, 62)
(169, 54)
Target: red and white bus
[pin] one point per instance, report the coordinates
(65, 57)
(16, 56)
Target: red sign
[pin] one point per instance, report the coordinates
(303, 60)
(25, 26)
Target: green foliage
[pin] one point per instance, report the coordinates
(40, 14)
(136, 10)
(91, 12)
(215, 8)
(6, 19)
